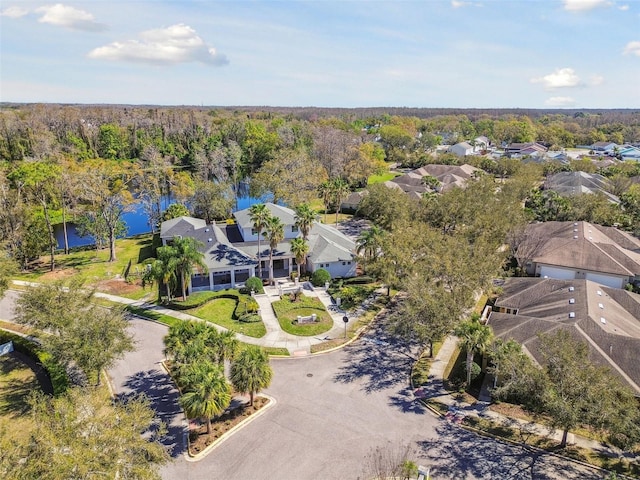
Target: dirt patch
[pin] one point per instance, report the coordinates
(118, 286)
(512, 411)
(198, 438)
(61, 274)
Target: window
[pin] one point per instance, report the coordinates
(254, 231)
(294, 228)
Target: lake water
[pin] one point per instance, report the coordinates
(137, 222)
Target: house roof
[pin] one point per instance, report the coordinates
(583, 246)
(449, 176)
(603, 144)
(181, 226)
(286, 215)
(575, 183)
(607, 319)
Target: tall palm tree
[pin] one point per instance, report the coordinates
(259, 215)
(369, 242)
(340, 190)
(305, 216)
(300, 248)
(207, 392)
(474, 338)
(188, 255)
(325, 191)
(163, 271)
(225, 345)
(251, 372)
(274, 231)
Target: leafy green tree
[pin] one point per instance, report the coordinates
(37, 181)
(206, 391)
(112, 142)
(274, 232)
(187, 256)
(212, 200)
(305, 216)
(72, 328)
(474, 338)
(84, 434)
(300, 249)
(8, 268)
(175, 210)
(251, 372)
(90, 224)
(386, 207)
(339, 191)
(369, 243)
(259, 215)
(319, 277)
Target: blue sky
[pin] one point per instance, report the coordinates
(358, 53)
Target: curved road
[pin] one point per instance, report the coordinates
(332, 411)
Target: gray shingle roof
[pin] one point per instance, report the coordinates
(286, 215)
(607, 319)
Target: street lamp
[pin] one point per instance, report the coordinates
(345, 319)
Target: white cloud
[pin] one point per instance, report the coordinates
(632, 48)
(581, 5)
(560, 102)
(14, 12)
(596, 80)
(459, 4)
(164, 46)
(624, 8)
(69, 17)
(561, 78)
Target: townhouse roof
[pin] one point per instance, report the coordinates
(607, 319)
(286, 215)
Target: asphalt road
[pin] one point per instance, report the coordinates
(332, 412)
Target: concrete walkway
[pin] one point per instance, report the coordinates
(435, 390)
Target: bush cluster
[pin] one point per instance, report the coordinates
(253, 283)
(320, 277)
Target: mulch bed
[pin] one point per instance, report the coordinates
(198, 438)
(118, 286)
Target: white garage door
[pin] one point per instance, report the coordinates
(606, 280)
(558, 273)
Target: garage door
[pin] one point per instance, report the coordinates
(558, 273)
(606, 280)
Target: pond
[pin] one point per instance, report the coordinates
(136, 221)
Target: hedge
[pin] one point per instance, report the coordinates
(56, 372)
(244, 304)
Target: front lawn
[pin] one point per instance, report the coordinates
(288, 312)
(220, 311)
(17, 381)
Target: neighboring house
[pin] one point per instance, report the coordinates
(606, 319)
(575, 183)
(522, 149)
(604, 148)
(481, 143)
(629, 152)
(581, 250)
(462, 149)
(350, 204)
(231, 250)
(448, 176)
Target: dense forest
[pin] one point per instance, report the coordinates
(89, 162)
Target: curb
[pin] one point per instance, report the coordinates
(199, 456)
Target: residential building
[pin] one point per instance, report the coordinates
(462, 149)
(575, 183)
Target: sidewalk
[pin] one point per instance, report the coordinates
(435, 390)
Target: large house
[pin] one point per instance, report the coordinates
(606, 319)
(569, 184)
(581, 250)
(231, 249)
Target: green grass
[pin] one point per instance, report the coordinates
(385, 177)
(287, 313)
(153, 315)
(220, 312)
(16, 382)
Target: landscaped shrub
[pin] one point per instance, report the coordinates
(250, 318)
(253, 283)
(361, 280)
(246, 305)
(320, 277)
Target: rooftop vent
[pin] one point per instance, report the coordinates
(572, 300)
(575, 236)
(602, 320)
(572, 314)
(601, 305)
(575, 229)
(575, 224)
(571, 289)
(210, 240)
(599, 292)
(206, 229)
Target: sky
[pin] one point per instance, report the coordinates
(350, 53)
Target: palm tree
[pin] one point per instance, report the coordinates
(188, 255)
(163, 271)
(340, 190)
(259, 215)
(474, 338)
(274, 231)
(207, 392)
(325, 191)
(300, 248)
(305, 217)
(225, 345)
(369, 243)
(251, 372)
